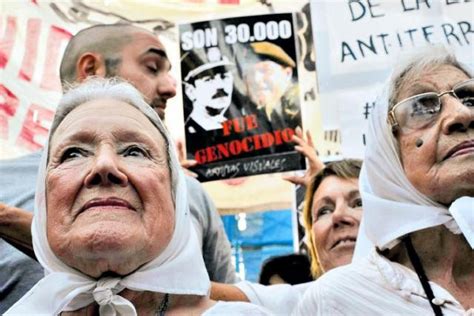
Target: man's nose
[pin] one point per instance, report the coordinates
(106, 170)
(166, 86)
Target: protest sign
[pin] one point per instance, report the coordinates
(240, 94)
(359, 41)
(34, 34)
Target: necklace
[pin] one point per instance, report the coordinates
(163, 305)
(416, 263)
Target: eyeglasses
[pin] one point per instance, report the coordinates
(420, 110)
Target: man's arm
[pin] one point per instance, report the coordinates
(216, 249)
(15, 228)
(280, 299)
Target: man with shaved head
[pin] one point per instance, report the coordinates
(122, 50)
(138, 56)
(106, 41)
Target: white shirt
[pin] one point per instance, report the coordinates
(280, 299)
(374, 286)
(234, 309)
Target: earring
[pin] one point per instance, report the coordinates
(419, 142)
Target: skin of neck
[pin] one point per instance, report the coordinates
(447, 260)
(148, 303)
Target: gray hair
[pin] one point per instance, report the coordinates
(415, 63)
(115, 88)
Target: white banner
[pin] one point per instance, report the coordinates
(358, 41)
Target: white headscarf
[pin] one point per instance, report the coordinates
(393, 207)
(179, 269)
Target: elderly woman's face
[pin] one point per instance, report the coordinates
(336, 213)
(442, 168)
(108, 191)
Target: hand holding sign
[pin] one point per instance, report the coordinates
(185, 163)
(307, 148)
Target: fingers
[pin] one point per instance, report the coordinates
(186, 164)
(180, 149)
(299, 132)
(309, 139)
(307, 148)
(299, 148)
(300, 141)
(307, 151)
(294, 179)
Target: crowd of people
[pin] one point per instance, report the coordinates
(106, 220)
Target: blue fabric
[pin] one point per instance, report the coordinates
(267, 234)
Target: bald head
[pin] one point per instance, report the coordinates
(104, 40)
(121, 50)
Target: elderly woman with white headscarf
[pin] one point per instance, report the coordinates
(111, 224)
(417, 187)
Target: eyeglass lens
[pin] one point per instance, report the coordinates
(422, 109)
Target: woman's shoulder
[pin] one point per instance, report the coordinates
(359, 287)
(356, 271)
(235, 308)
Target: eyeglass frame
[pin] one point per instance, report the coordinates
(392, 120)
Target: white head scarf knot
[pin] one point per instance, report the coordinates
(179, 269)
(393, 207)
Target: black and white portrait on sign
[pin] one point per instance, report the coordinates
(209, 87)
(240, 95)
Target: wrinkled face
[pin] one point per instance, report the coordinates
(443, 167)
(266, 82)
(146, 66)
(212, 94)
(108, 189)
(336, 214)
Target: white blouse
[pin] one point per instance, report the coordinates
(280, 299)
(374, 286)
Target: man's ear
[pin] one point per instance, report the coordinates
(288, 73)
(190, 91)
(90, 64)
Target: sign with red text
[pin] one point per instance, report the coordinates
(240, 95)
(33, 37)
(359, 41)
(34, 34)
(30, 52)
